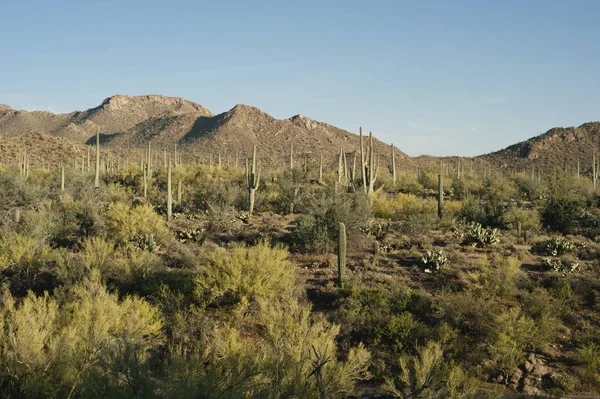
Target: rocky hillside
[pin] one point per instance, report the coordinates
(132, 122)
(558, 147)
(116, 114)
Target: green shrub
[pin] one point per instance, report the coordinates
(76, 344)
(590, 356)
(242, 275)
(125, 223)
(318, 231)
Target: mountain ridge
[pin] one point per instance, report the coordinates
(133, 121)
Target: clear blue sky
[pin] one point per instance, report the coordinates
(436, 77)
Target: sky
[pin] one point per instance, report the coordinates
(442, 78)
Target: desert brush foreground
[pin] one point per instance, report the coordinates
(171, 273)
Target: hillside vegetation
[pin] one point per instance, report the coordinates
(145, 278)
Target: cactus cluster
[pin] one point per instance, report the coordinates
(433, 261)
(480, 236)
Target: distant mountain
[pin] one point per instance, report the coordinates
(558, 147)
(132, 122)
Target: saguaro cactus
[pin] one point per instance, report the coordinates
(179, 191)
(321, 170)
(440, 196)
(62, 178)
(252, 181)
(97, 178)
(145, 180)
(169, 193)
(371, 171)
(393, 165)
(149, 161)
(362, 161)
(341, 254)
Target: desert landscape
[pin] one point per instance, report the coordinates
(150, 248)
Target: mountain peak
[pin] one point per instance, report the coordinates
(4, 107)
(304, 122)
(122, 102)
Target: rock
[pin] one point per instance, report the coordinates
(531, 390)
(515, 377)
(528, 366)
(539, 370)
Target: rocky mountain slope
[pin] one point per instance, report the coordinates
(131, 122)
(558, 147)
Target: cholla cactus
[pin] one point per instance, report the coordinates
(433, 261)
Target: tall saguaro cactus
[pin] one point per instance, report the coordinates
(440, 196)
(169, 193)
(341, 254)
(371, 172)
(252, 181)
(62, 178)
(97, 178)
(393, 165)
(362, 161)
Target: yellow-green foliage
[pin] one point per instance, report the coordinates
(402, 206)
(50, 347)
(590, 355)
(17, 249)
(124, 223)
(272, 346)
(248, 274)
(530, 219)
(278, 357)
(117, 264)
(513, 332)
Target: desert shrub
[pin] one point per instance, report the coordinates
(512, 332)
(17, 193)
(408, 183)
(402, 206)
(386, 319)
(294, 356)
(273, 343)
(75, 344)
(427, 374)
(564, 202)
(319, 230)
(241, 275)
(590, 356)
(545, 311)
(124, 223)
(433, 261)
(530, 221)
(561, 214)
(415, 215)
(528, 188)
(17, 250)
